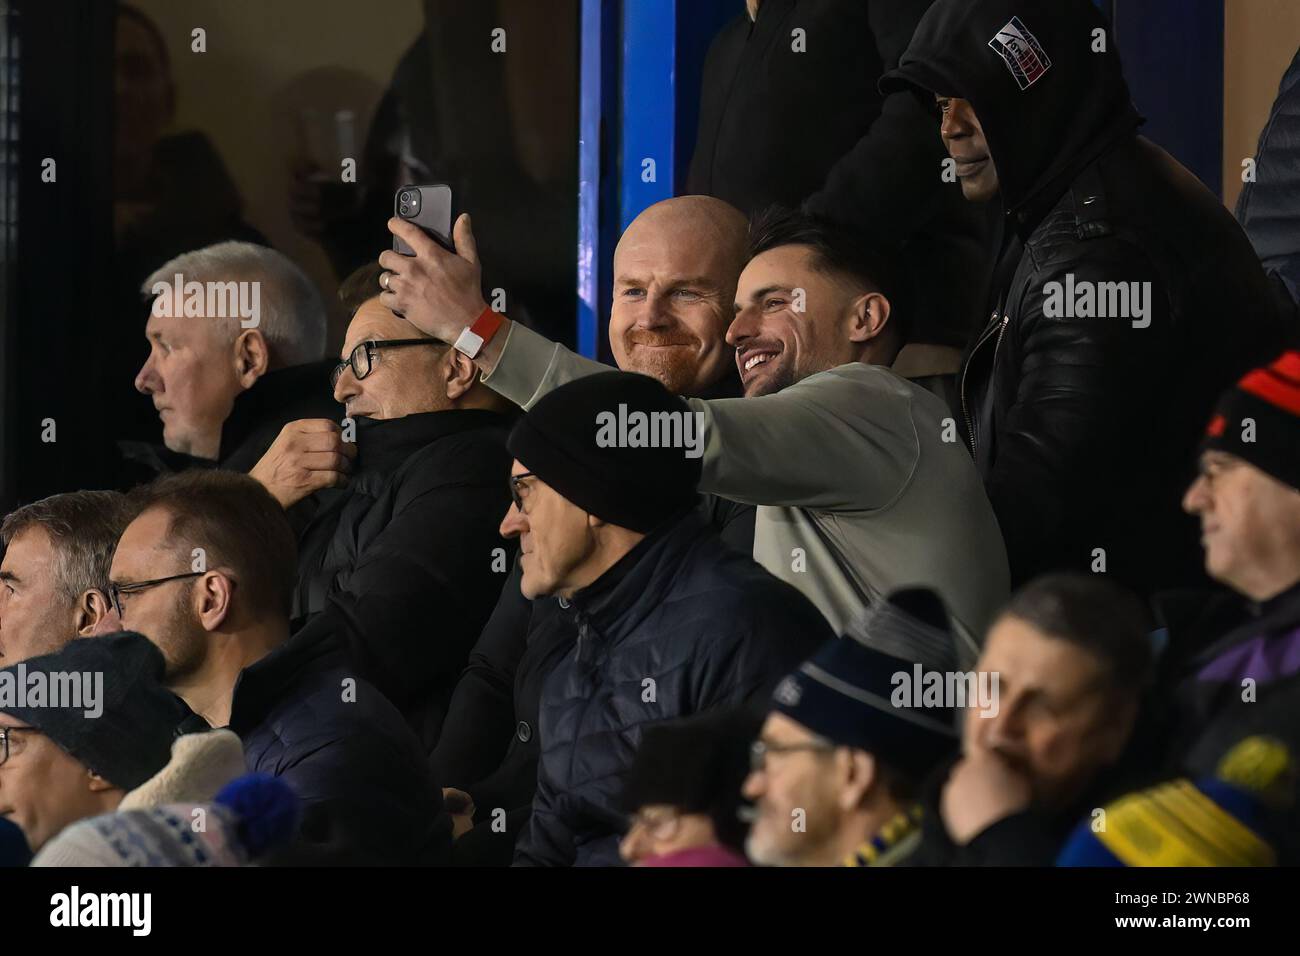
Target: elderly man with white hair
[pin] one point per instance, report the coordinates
(236, 350)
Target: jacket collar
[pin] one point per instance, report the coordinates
(265, 683)
(1029, 212)
(1278, 614)
(382, 445)
(615, 603)
(1285, 605)
(270, 397)
(769, 16)
(160, 459)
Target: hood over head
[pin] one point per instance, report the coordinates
(1046, 85)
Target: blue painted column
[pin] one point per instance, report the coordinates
(648, 106)
(626, 139)
(591, 68)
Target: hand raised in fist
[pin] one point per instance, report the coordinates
(305, 457)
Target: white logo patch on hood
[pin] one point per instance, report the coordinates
(1024, 55)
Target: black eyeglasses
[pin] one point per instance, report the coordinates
(4, 740)
(362, 358)
(115, 591)
(514, 488)
(759, 750)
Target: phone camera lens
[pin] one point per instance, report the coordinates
(406, 198)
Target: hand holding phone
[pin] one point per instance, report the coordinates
(438, 291)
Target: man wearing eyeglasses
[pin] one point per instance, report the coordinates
(836, 772)
(58, 765)
(682, 792)
(206, 572)
(414, 524)
(54, 574)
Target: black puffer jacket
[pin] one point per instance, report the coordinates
(682, 624)
(1085, 428)
(490, 745)
(402, 567)
(364, 782)
(1267, 208)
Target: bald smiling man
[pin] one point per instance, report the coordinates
(675, 272)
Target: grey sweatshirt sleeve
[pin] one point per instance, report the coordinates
(840, 440)
(531, 365)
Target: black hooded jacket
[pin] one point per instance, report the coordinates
(1085, 428)
(1267, 208)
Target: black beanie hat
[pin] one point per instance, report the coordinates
(618, 445)
(1258, 420)
(846, 692)
(130, 738)
(698, 765)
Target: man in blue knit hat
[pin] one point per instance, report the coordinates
(849, 738)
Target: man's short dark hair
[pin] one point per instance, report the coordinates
(836, 249)
(361, 285)
(1095, 614)
(238, 524)
(83, 527)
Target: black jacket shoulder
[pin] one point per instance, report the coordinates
(366, 791)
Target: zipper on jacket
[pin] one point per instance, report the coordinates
(965, 409)
(1006, 320)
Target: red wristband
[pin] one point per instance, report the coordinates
(486, 325)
